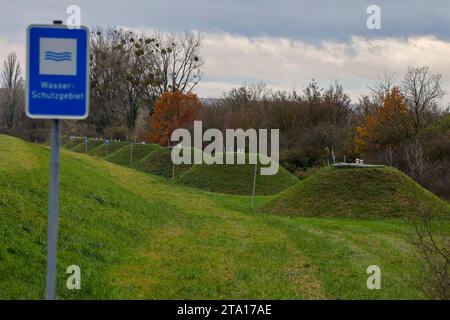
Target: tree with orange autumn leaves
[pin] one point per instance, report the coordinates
(388, 127)
(172, 111)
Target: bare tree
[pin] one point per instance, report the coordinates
(422, 90)
(384, 85)
(241, 97)
(106, 64)
(415, 158)
(434, 251)
(133, 72)
(11, 80)
(371, 103)
(172, 64)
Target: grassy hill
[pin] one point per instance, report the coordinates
(106, 149)
(159, 162)
(123, 155)
(92, 144)
(236, 179)
(356, 192)
(70, 144)
(138, 236)
(231, 179)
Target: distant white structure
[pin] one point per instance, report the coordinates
(359, 163)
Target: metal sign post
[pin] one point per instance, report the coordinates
(53, 208)
(131, 153)
(107, 143)
(254, 185)
(173, 171)
(57, 87)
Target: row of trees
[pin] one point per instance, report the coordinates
(310, 122)
(129, 72)
(403, 125)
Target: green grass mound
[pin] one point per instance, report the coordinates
(159, 162)
(126, 156)
(357, 192)
(236, 179)
(105, 150)
(71, 143)
(92, 144)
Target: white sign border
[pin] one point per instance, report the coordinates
(54, 116)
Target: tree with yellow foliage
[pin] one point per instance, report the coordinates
(388, 127)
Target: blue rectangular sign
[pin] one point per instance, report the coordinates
(57, 83)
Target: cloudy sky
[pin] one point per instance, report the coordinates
(283, 43)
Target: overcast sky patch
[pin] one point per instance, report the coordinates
(284, 43)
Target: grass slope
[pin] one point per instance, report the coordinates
(92, 144)
(236, 179)
(106, 149)
(138, 236)
(368, 192)
(123, 155)
(70, 144)
(159, 162)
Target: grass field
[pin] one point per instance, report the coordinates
(139, 236)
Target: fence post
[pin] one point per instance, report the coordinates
(131, 153)
(254, 185)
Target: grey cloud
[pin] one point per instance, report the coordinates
(306, 20)
(284, 43)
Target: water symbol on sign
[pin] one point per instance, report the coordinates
(58, 56)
